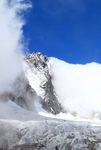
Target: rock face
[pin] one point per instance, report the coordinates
(38, 70)
(18, 103)
(20, 92)
(33, 84)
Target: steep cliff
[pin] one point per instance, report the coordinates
(41, 80)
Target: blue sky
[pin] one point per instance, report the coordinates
(67, 29)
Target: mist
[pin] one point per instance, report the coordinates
(11, 54)
(11, 40)
(78, 87)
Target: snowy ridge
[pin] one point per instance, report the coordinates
(38, 75)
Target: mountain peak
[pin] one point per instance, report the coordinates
(38, 69)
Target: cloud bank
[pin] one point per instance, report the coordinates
(11, 36)
(78, 87)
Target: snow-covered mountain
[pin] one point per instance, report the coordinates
(45, 103)
(32, 90)
(64, 87)
(40, 110)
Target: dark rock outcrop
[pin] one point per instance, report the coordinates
(38, 65)
(20, 92)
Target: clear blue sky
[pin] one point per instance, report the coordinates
(67, 29)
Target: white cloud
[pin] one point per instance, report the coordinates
(11, 36)
(78, 87)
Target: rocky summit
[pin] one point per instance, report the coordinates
(38, 64)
